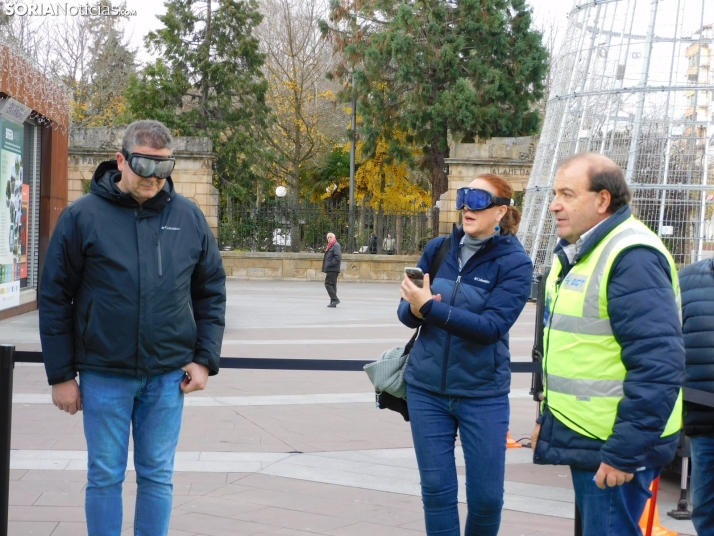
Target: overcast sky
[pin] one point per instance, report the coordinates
(145, 21)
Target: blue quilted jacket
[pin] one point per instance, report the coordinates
(697, 282)
(462, 349)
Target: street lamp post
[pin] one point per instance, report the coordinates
(279, 237)
(351, 237)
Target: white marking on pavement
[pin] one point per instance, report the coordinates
(317, 342)
(334, 326)
(271, 400)
(203, 462)
(391, 470)
(292, 342)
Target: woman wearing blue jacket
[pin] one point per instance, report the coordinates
(458, 375)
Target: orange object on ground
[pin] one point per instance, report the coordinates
(649, 522)
(512, 443)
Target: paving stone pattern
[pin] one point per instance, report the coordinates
(270, 452)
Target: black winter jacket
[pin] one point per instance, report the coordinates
(645, 321)
(332, 260)
(697, 282)
(130, 289)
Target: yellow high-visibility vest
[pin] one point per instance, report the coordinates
(583, 369)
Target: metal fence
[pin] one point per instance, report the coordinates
(632, 80)
(304, 228)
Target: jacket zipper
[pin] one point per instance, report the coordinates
(158, 252)
(471, 261)
(89, 319)
(448, 339)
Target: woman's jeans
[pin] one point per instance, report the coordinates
(151, 407)
(482, 424)
(703, 484)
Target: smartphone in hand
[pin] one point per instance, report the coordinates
(416, 275)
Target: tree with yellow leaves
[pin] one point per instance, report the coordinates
(385, 184)
(305, 122)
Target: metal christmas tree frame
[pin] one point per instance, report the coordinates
(632, 80)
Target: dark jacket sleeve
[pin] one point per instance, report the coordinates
(646, 322)
(208, 295)
(61, 277)
(502, 309)
(336, 255)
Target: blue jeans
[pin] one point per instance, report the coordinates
(152, 409)
(482, 424)
(703, 484)
(612, 511)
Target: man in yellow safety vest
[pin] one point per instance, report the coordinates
(613, 351)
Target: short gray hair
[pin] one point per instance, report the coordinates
(147, 133)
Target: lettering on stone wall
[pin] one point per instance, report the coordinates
(511, 172)
(90, 160)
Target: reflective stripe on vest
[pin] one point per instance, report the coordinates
(584, 373)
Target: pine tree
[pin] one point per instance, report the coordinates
(208, 82)
(472, 68)
(111, 64)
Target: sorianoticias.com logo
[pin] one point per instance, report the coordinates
(59, 9)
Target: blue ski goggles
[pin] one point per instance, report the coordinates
(147, 166)
(477, 199)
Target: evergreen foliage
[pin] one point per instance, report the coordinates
(208, 82)
(317, 181)
(472, 68)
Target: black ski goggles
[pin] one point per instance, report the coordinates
(148, 166)
(477, 199)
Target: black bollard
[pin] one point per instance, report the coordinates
(7, 355)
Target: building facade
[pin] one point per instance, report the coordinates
(34, 129)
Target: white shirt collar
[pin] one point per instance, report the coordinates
(571, 250)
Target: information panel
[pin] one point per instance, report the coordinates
(14, 201)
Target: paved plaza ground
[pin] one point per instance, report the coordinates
(283, 452)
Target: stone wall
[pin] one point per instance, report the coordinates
(307, 266)
(192, 176)
(511, 158)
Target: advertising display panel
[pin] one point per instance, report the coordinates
(14, 200)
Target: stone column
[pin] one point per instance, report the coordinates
(511, 158)
(192, 176)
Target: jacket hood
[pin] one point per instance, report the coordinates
(104, 185)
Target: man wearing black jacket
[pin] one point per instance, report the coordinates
(697, 281)
(132, 299)
(331, 264)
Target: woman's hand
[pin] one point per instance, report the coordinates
(417, 296)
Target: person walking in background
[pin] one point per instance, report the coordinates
(458, 376)
(372, 247)
(614, 356)
(697, 282)
(133, 299)
(389, 245)
(331, 264)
